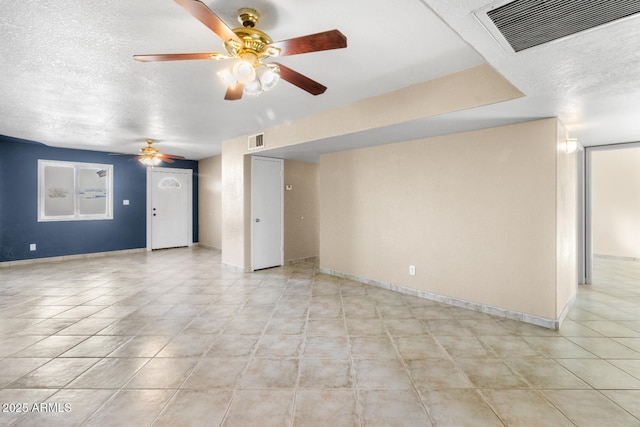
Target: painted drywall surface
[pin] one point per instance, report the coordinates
(473, 87)
(20, 227)
(615, 180)
(566, 223)
(210, 202)
(301, 235)
(234, 205)
(475, 213)
(301, 210)
(470, 88)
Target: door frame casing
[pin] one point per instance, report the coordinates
(150, 201)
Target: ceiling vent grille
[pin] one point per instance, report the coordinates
(256, 141)
(529, 23)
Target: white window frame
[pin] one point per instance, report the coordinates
(74, 191)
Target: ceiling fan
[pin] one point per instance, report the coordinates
(248, 47)
(151, 156)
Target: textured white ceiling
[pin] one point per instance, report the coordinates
(590, 80)
(69, 79)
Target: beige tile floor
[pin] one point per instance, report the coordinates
(173, 338)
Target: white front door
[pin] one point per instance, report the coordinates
(170, 206)
(267, 199)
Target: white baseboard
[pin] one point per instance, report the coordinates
(457, 302)
(69, 257)
(616, 257)
(300, 260)
(202, 245)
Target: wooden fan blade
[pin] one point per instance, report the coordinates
(300, 80)
(234, 92)
(172, 156)
(328, 40)
(166, 160)
(205, 15)
(178, 56)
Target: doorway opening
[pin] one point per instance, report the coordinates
(611, 207)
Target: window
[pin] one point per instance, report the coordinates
(70, 191)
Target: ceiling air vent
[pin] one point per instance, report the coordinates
(256, 141)
(528, 23)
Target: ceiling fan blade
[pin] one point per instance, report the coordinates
(164, 159)
(205, 15)
(178, 56)
(328, 40)
(171, 156)
(300, 80)
(234, 92)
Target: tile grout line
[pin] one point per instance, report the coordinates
(404, 364)
(190, 372)
(352, 367)
(252, 356)
(303, 345)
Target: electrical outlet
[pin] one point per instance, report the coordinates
(32, 247)
(412, 270)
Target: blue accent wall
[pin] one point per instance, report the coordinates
(19, 224)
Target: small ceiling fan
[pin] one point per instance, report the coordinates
(248, 47)
(151, 156)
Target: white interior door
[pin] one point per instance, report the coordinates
(267, 199)
(170, 206)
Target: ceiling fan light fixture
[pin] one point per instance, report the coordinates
(233, 47)
(248, 46)
(227, 77)
(248, 17)
(244, 72)
(253, 88)
(269, 75)
(272, 51)
(149, 161)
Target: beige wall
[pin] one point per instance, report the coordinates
(236, 206)
(484, 216)
(615, 180)
(301, 210)
(474, 87)
(301, 215)
(566, 224)
(476, 213)
(210, 202)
